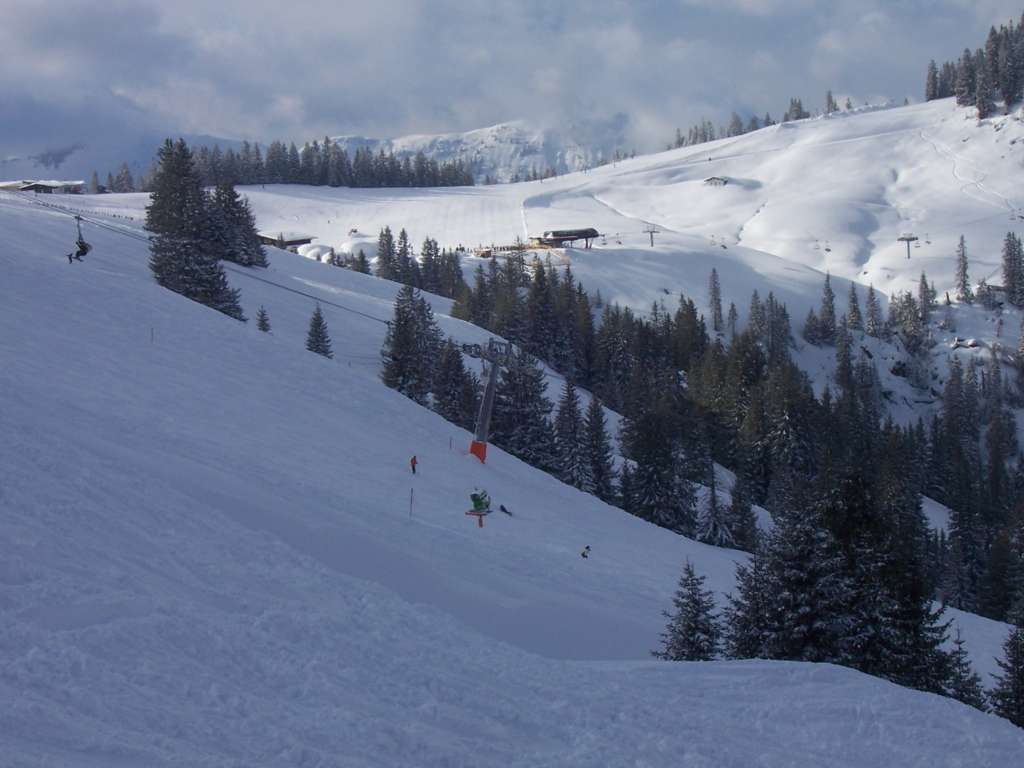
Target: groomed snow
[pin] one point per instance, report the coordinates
(210, 560)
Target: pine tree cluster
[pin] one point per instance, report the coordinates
(192, 230)
(978, 79)
(435, 271)
(325, 163)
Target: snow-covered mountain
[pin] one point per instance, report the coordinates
(214, 554)
(513, 149)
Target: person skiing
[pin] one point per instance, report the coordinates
(481, 501)
(586, 552)
(413, 463)
(82, 249)
(502, 508)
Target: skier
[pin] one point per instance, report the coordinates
(412, 464)
(502, 508)
(481, 501)
(82, 249)
(586, 552)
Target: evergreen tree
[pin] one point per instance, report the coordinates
(411, 347)
(925, 299)
(873, 319)
(732, 320)
(94, 184)
(1013, 269)
(692, 632)
(361, 263)
(520, 423)
(317, 339)
(854, 321)
(984, 91)
(455, 388)
(715, 301)
(387, 266)
(931, 85)
(963, 283)
(1007, 698)
(263, 320)
(180, 252)
(965, 85)
(713, 520)
(964, 684)
(600, 474)
(569, 439)
(827, 315)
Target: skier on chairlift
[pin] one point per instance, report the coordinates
(81, 247)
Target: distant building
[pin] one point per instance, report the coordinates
(49, 187)
(557, 238)
(289, 241)
(716, 181)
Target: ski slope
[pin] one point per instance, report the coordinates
(210, 559)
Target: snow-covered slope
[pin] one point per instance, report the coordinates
(210, 558)
(507, 150)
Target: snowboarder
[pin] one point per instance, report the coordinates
(586, 552)
(481, 501)
(412, 464)
(502, 508)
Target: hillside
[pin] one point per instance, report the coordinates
(211, 560)
(825, 194)
(509, 150)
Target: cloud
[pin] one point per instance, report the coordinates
(261, 69)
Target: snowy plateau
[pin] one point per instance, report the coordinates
(212, 552)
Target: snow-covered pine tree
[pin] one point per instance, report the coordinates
(94, 184)
(812, 328)
(742, 521)
(361, 263)
(713, 518)
(455, 388)
(964, 684)
(387, 267)
(317, 339)
(692, 632)
(854, 320)
(931, 82)
(873, 315)
(1013, 269)
(925, 299)
(757, 322)
(1007, 698)
(124, 182)
(749, 616)
(963, 282)
(827, 315)
(600, 479)
(715, 301)
(520, 423)
(984, 90)
(732, 319)
(263, 320)
(965, 85)
(180, 251)
(573, 467)
(405, 262)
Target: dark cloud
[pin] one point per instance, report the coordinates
(267, 69)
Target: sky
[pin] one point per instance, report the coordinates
(77, 70)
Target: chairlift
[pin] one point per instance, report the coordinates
(81, 247)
